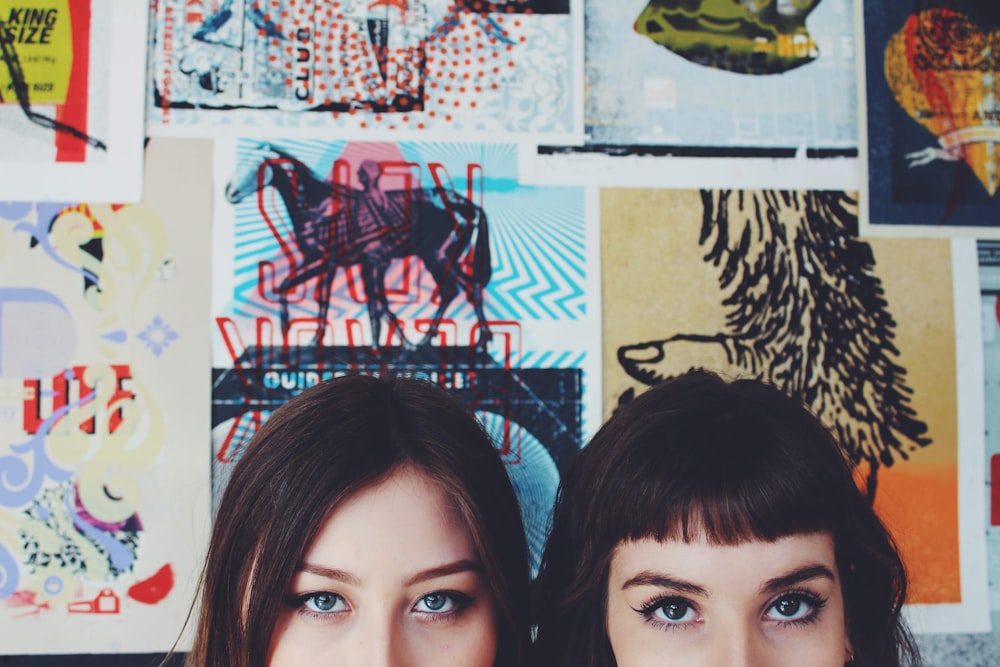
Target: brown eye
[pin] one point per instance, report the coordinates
(788, 607)
(674, 611)
(796, 608)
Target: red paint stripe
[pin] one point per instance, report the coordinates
(995, 490)
(74, 111)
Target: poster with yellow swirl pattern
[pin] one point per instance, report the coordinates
(103, 411)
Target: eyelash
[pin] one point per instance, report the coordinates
(460, 601)
(814, 601)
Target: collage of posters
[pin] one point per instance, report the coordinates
(207, 206)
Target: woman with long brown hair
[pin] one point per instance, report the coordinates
(369, 521)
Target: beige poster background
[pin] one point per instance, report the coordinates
(657, 283)
(108, 381)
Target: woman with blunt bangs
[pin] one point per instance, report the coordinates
(717, 523)
(370, 521)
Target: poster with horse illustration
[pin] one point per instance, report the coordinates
(879, 337)
(104, 510)
(72, 78)
(426, 259)
(931, 127)
(499, 70)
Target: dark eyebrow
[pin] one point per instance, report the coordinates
(463, 565)
(648, 578)
(797, 576)
(330, 573)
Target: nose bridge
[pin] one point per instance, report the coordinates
(381, 640)
(742, 644)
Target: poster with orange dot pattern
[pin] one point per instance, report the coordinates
(507, 69)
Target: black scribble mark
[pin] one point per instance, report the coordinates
(805, 311)
(20, 86)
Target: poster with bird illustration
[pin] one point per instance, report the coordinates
(930, 124)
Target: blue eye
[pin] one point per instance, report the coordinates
(442, 602)
(323, 603)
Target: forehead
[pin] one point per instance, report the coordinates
(405, 519)
(744, 565)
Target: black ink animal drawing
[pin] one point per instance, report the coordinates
(335, 225)
(805, 311)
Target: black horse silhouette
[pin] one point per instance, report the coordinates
(335, 225)
(804, 310)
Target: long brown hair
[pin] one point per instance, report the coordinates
(313, 453)
(735, 461)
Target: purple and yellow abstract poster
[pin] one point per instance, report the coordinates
(103, 505)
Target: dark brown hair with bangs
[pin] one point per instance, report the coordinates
(316, 451)
(733, 461)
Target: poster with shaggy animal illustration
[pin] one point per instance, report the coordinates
(880, 338)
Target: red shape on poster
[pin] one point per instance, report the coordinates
(74, 111)
(995, 490)
(106, 602)
(155, 588)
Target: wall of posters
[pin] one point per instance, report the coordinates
(103, 517)
(877, 348)
(71, 109)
